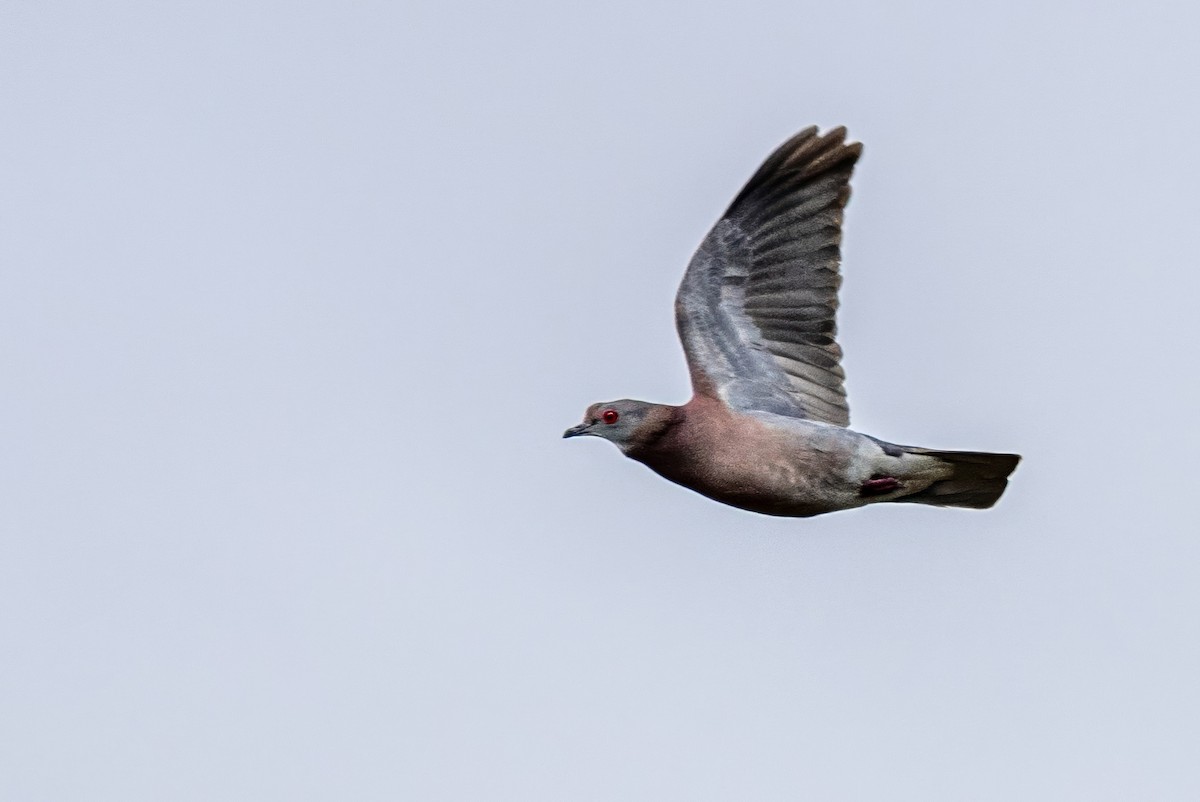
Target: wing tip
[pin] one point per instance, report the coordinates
(806, 155)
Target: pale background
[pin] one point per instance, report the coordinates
(296, 301)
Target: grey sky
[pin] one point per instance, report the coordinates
(296, 302)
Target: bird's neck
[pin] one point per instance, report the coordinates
(656, 431)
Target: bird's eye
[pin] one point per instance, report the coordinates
(609, 416)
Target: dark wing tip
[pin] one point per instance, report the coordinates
(802, 158)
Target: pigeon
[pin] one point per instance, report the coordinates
(766, 427)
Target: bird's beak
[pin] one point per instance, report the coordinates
(575, 431)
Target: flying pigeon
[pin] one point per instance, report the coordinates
(765, 429)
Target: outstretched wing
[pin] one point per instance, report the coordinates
(756, 309)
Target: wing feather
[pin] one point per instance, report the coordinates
(757, 307)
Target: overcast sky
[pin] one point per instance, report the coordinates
(297, 299)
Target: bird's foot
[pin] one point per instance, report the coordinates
(879, 485)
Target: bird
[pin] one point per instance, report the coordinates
(767, 427)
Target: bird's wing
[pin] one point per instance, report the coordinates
(756, 309)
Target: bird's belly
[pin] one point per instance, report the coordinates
(781, 490)
(800, 486)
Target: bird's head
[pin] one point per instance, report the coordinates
(626, 423)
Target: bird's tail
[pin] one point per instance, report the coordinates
(977, 482)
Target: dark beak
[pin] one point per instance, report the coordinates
(575, 431)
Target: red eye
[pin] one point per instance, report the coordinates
(609, 416)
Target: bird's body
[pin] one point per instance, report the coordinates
(766, 428)
(762, 462)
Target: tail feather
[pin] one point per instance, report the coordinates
(978, 480)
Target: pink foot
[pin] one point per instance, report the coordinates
(879, 485)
